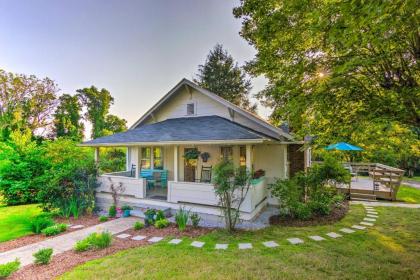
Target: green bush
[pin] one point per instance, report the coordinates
(181, 218)
(195, 219)
(138, 225)
(8, 268)
(41, 222)
(103, 219)
(301, 211)
(54, 229)
(112, 212)
(43, 256)
(94, 241)
(126, 207)
(162, 223)
(160, 215)
(150, 216)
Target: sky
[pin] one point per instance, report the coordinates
(138, 50)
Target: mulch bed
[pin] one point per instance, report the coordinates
(33, 238)
(64, 262)
(336, 214)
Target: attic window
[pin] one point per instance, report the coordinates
(190, 109)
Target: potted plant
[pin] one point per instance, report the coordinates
(191, 155)
(126, 211)
(258, 174)
(205, 156)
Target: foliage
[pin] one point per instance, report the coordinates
(126, 207)
(150, 216)
(138, 225)
(231, 187)
(340, 70)
(222, 75)
(191, 154)
(181, 218)
(103, 219)
(112, 212)
(54, 229)
(43, 256)
(112, 159)
(40, 223)
(160, 215)
(195, 219)
(94, 241)
(162, 223)
(8, 268)
(68, 119)
(114, 124)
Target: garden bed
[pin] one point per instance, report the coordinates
(63, 262)
(86, 221)
(336, 214)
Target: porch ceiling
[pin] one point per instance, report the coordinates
(210, 129)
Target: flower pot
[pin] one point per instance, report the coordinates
(126, 213)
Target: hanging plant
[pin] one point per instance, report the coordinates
(205, 156)
(191, 154)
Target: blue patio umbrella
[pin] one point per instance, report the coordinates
(343, 146)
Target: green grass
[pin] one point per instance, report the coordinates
(408, 194)
(390, 250)
(15, 220)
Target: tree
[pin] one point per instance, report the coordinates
(221, 75)
(231, 187)
(97, 105)
(337, 68)
(25, 102)
(67, 118)
(114, 124)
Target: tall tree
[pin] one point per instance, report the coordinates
(97, 103)
(114, 124)
(337, 68)
(67, 118)
(26, 102)
(222, 75)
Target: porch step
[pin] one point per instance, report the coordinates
(362, 196)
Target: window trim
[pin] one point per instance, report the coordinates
(194, 104)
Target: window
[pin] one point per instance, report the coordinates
(226, 153)
(157, 158)
(242, 156)
(146, 157)
(190, 109)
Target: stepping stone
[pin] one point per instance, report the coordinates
(316, 238)
(346, 230)
(221, 246)
(372, 213)
(270, 244)
(197, 244)
(358, 227)
(155, 239)
(175, 241)
(369, 220)
(334, 235)
(77, 226)
(295, 241)
(243, 246)
(366, 224)
(372, 216)
(138, 237)
(123, 236)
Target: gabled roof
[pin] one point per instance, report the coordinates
(237, 109)
(180, 130)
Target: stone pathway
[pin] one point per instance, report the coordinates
(66, 241)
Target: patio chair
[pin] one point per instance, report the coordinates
(205, 174)
(156, 181)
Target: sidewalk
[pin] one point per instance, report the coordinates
(387, 204)
(66, 241)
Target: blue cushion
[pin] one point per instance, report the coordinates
(148, 174)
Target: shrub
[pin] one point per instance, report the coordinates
(162, 223)
(43, 256)
(112, 212)
(8, 268)
(54, 229)
(181, 218)
(94, 241)
(41, 222)
(195, 219)
(103, 219)
(138, 225)
(150, 216)
(160, 215)
(126, 207)
(301, 211)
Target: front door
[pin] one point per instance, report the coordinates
(189, 167)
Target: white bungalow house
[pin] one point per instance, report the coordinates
(190, 118)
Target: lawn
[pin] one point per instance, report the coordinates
(390, 250)
(408, 194)
(415, 178)
(15, 220)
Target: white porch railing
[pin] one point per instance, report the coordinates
(131, 186)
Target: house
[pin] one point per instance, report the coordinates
(190, 119)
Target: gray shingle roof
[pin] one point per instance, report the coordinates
(183, 129)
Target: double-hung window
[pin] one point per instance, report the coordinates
(226, 153)
(151, 157)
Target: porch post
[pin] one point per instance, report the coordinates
(97, 156)
(248, 157)
(176, 163)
